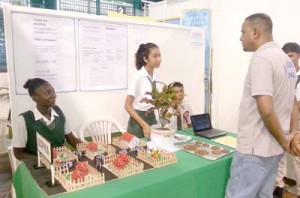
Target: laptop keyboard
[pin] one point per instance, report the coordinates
(212, 133)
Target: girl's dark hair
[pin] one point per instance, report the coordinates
(32, 84)
(143, 51)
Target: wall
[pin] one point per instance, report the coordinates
(4, 100)
(174, 8)
(229, 62)
(3, 79)
(173, 41)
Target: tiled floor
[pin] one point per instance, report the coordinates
(6, 177)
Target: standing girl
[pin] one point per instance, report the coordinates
(147, 58)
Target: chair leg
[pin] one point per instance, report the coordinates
(13, 160)
(12, 191)
(8, 194)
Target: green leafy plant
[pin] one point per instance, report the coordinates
(162, 101)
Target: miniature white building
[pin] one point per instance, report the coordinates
(129, 140)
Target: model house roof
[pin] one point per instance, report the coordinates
(127, 136)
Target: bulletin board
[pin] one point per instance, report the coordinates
(102, 55)
(68, 60)
(44, 47)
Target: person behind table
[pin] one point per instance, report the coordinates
(180, 108)
(293, 51)
(147, 59)
(265, 112)
(47, 118)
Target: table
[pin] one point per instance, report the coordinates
(192, 176)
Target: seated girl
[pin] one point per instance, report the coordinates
(46, 118)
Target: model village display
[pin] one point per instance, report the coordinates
(93, 162)
(84, 167)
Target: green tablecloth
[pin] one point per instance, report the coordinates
(191, 177)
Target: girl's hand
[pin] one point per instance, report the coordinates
(147, 131)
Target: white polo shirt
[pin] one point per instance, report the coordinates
(20, 132)
(270, 73)
(139, 87)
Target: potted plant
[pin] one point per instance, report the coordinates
(162, 134)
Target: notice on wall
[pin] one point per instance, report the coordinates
(103, 56)
(197, 36)
(44, 47)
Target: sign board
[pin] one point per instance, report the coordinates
(44, 146)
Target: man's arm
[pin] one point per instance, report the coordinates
(294, 116)
(298, 104)
(270, 119)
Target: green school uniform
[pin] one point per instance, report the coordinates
(56, 135)
(135, 129)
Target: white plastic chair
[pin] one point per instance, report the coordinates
(14, 165)
(5, 143)
(6, 147)
(99, 128)
(5, 125)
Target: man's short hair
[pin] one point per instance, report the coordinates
(262, 20)
(291, 47)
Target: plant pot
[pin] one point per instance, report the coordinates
(162, 138)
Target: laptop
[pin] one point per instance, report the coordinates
(202, 126)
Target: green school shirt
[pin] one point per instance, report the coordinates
(56, 136)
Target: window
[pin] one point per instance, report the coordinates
(3, 67)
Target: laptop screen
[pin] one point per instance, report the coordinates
(201, 122)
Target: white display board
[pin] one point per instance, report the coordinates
(182, 60)
(44, 47)
(103, 56)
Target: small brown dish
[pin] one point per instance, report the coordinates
(201, 152)
(205, 145)
(225, 151)
(216, 152)
(189, 147)
(215, 148)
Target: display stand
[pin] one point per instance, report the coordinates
(44, 153)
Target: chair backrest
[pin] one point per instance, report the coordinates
(4, 103)
(5, 125)
(99, 128)
(5, 143)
